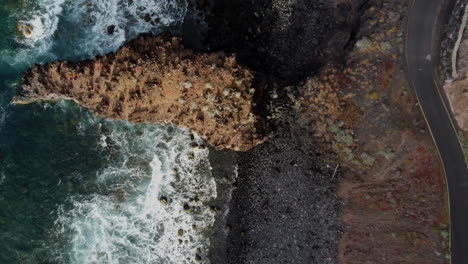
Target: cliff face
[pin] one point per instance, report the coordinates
(156, 80)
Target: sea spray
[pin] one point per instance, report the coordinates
(39, 23)
(77, 29)
(29, 31)
(105, 25)
(124, 221)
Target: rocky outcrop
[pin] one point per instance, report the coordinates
(154, 79)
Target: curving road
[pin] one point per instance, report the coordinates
(420, 42)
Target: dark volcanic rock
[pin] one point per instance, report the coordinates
(284, 210)
(284, 38)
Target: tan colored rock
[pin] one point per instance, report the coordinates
(156, 80)
(24, 29)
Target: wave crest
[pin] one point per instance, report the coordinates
(78, 29)
(125, 222)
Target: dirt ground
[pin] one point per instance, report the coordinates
(365, 116)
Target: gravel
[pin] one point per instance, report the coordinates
(284, 209)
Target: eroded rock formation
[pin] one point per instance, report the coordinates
(154, 79)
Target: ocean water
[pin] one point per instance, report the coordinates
(77, 29)
(76, 188)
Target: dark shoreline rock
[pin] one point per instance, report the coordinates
(284, 209)
(224, 169)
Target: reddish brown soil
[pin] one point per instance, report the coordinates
(364, 114)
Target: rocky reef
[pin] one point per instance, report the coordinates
(154, 79)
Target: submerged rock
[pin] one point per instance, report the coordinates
(111, 29)
(154, 79)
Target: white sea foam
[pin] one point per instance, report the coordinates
(77, 29)
(128, 19)
(122, 221)
(41, 19)
(125, 222)
(42, 22)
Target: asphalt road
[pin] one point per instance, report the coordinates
(421, 34)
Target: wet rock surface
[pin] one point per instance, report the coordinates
(284, 209)
(156, 80)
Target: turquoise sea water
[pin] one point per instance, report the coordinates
(75, 188)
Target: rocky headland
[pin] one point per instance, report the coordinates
(154, 79)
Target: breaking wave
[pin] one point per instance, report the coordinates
(150, 206)
(41, 23)
(149, 202)
(77, 29)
